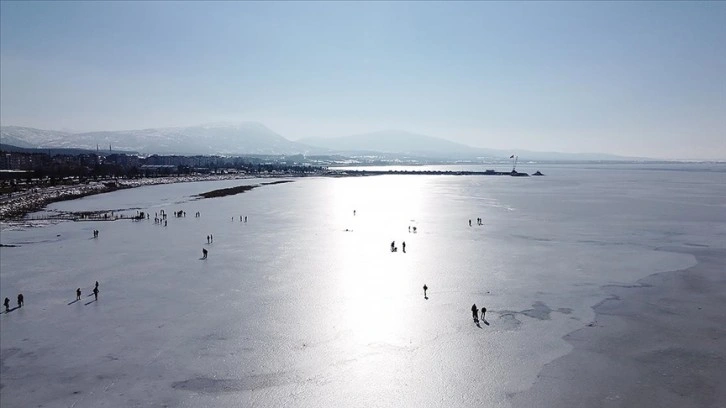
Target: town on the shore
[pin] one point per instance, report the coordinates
(54, 167)
(30, 179)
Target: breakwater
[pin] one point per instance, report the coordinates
(344, 173)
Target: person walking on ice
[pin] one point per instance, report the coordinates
(425, 288)
(204, 253)
(7, 304)
(475, 313)
(21, 300)
(78, 294)
(95, 292)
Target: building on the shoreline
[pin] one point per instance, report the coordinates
(23, 161)
(151, 170)
(45, 166)
(123, 160)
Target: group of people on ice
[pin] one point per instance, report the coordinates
(475, 314)
(394, 248)
(95, 292)
(21, 302)
(21, 298)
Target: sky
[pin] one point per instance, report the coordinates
(630, 78)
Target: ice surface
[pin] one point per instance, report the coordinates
(290, 309)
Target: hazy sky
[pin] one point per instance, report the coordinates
(645, 79)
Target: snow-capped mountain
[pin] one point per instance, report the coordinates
(240, 138)
(255, 138)
(30, 137)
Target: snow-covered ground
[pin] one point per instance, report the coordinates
(305, 305)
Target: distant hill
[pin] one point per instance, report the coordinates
(30, 137)
(416, 145)
(393, 142)
(53, 151)
(241, 138)
(251, 138)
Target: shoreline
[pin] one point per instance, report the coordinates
(660, 342)
(17, 207)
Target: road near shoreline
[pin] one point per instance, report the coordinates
(661, 343)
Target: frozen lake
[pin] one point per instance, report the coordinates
(305, 305)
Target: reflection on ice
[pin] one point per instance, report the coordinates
(290, 309)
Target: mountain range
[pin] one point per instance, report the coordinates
(243, 138)
(254, 138)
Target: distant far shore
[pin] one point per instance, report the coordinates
(16, 205)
